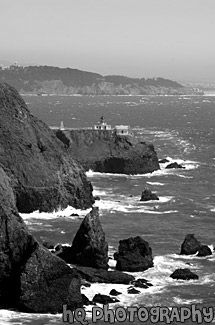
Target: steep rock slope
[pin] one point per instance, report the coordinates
(42, 175)
(104, 151)
(31, 278)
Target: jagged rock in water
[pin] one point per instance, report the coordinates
(43, 176)
(104, 299)
(114, 292)
(103, 276)
(134, 255)
(174, 165)
(89, 247)
(190, 245)
(204, 250)
(46, 283)
(184, 274)
(141, 283)
(31, 278)
(133, 291)
(163, 161)
(147, 195)
(85, 300)
(107, 152)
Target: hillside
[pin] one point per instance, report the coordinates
(53, 80)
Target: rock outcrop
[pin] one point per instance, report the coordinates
(104, 299)
(147, 195)
(47, 282)
(184, 274)
(134, 255)
(107, 152)
(204, 251)
(114, 292)
(31, 278)
(89, 247)
(43, 176)
(163, 161)
(103, 276)
(133, 291)
(190, 245)
(142, 283)
(174, 165)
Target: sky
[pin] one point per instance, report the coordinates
(173, 39)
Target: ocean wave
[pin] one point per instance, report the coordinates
(155, 183)
(194, 256)
(90, 173)
(100, 192)
(69, 212)
(159, 276)
(188, 164)
(133, 205)
(181, 301)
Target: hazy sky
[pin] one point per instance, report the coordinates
(138, 38)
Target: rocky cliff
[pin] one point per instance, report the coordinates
(40, 172)
(31, 278)
(53, 80)
(104, 151)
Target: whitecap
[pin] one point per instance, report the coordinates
(181, 301)
(133, 205)
(68, 213)
(155, 183)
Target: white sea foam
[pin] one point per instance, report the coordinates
(155, 183)
(181, 301)
(188, 164)
(67, 213)
(99, 192)
(7, 317)
(133, 205)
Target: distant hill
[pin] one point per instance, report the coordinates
(53, 80)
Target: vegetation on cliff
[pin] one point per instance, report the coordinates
(53, 80)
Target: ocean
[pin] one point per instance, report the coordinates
(182, 130)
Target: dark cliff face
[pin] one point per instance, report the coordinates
(41, 173)
(104, 151)
(31, 278)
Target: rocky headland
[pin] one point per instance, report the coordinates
(105, 151)
(41, 173)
